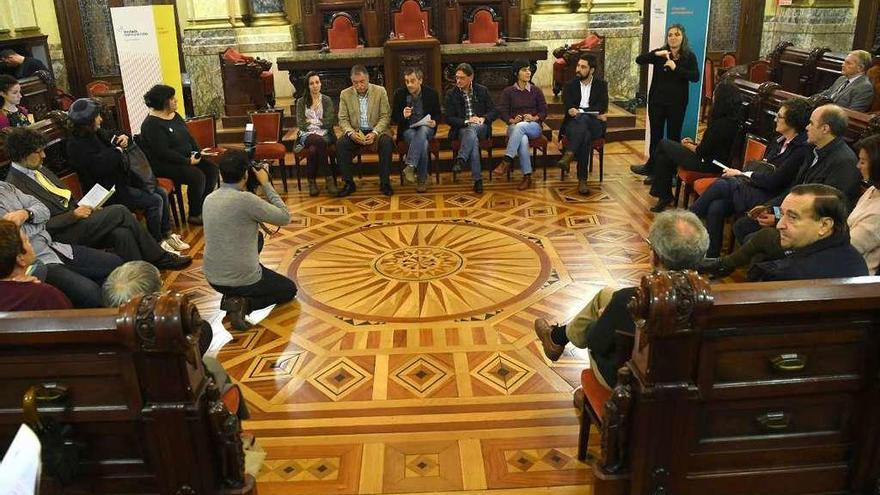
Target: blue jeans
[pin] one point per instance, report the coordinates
(714, 206)
(518, 136)
(417, 155)
(470, 147)
(157, 212)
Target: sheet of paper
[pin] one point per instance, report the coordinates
(259, 315)
(220, 335)
(422, 122)
(20, 469)
(96, 196)
(723, 166)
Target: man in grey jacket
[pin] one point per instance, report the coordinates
(853, 89)
(232, 219)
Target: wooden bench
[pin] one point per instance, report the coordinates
(768, 388)
(131, 388)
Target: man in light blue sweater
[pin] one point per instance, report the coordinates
(232, 217)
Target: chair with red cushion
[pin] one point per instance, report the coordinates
(759, 71)
(267, 129)
(590, 401)
(412, 21)
(708, 90)
(485, 145)
(728, 60)
(343, 32)
(175, 198)
(203, 129)
(754, 150)
(248, 82)
(566, 58)
(96, 87)
(598, 146)
(482, 26)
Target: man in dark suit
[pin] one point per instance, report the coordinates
(853, 89)
(410, 105)
(72, 223)
(832, 163)
(586, 101)
(470, 112)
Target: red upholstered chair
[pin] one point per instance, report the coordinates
(482, 26)
(267, 128)
(342, 32)
(267, 79)
(204, 130)
(175, 198)
(874, 77)
(97, 86)
(299, 158)
(708, 90)
(597, 147)
(412, 21)
(248, 83)
(759, 71)
(566, 58)
(754, 150)
(590, 401)
(728, 60)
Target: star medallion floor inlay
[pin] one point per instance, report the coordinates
(408, 361)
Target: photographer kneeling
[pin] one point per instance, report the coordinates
(232, 220)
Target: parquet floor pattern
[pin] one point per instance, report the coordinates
(408, 364)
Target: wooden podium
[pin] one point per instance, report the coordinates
(423, 53)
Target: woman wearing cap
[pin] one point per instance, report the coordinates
(173, 152)
(96, 155)
(13, 114)
(523, 108)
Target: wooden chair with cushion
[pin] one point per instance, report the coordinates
(598, 146)
(728, 60)
(482, 26)
(754, 150)
(485, 145)
(566, 58)
(433, 150)
(412, 20)
(267, 128)
(203, 129)
(874, 77)
(96, 87)
(759, 71)
(343, 32)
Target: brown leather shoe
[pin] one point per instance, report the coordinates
(503, 166)
(236, 308)
(525, 183)
(583, 188)
(551, 349)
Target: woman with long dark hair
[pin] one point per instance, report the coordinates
(315, 118)
(715, 145)
(97, 156)
(173, 152)
(13, 114)
(675, 66)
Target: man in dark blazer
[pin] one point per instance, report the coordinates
(832, 162)
(470, 112)
(586, 102)
(410, 105)
(72, 223)
(853, 89)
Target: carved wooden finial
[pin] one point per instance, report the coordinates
(167, 322)
(670, 302)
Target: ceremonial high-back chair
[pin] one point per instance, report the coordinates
(412, 20)
(343, 32)
(566, 58)
(248, 84)
(482, 26)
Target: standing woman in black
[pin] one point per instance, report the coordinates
(675, 66)
(173, 152)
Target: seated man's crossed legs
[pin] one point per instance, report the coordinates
(416, 160)
(469, 152)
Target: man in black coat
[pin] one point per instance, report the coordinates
(586, 102)
(813, 237)
(412, 104)
(470, 112)
(72, 223)
(832, 162)
(19, 65)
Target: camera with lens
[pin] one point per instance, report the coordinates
(250, 147)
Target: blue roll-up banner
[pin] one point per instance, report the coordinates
(694, 16)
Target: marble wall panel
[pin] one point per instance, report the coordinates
(266, 6)
(810, 27)
(724, 25)
(99, 38)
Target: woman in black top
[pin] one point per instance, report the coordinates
(675, 65)
(173, 152)
(716, 145)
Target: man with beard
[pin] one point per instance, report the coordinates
(586, 102)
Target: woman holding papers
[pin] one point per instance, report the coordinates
(415, 111)
(736, 192)
(716, 144)
(315, 118)
(97, 156)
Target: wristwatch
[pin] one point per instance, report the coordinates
(30, 215)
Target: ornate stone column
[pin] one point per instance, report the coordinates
(266, 13)
(23, 17)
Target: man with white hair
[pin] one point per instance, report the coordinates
(678, 241)
(853, 89)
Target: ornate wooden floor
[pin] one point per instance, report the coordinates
(407, 363)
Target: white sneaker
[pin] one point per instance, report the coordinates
(176, 242)
(167, 247)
